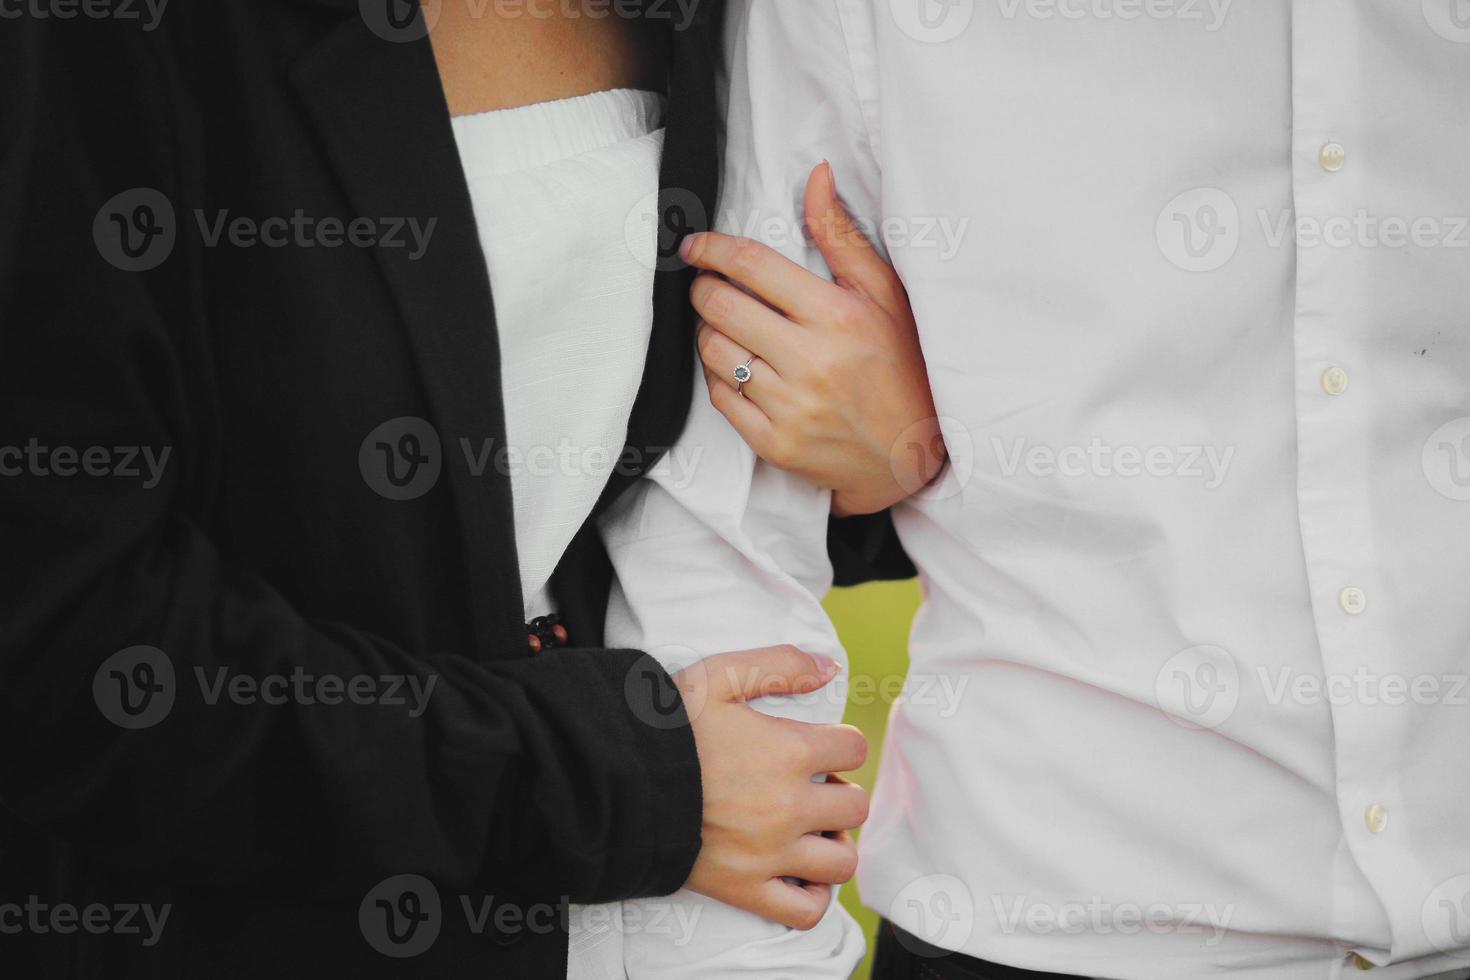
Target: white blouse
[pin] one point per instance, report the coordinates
(560, 190)
(565, 195)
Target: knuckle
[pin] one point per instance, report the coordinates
(807, 918)
(849, 315)
(793, 654)
(879, 283)
(697, 243)
(813, 406)
(788, 816)
(785, 658)
(803, 665)
(823, 366)
(797, 754)
(784, 452)
(700, 288)
(857, 744)
(847, 865)
(890, 292)
(689, 682)
(719, 303)
(708, 344)
(747, 257)
(788, 807)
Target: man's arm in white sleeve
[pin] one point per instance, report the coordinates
(716, 550)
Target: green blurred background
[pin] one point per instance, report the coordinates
(873, 621)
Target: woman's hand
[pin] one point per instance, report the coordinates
(838, 392)
(774, 842)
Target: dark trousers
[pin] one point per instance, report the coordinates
(902, 956)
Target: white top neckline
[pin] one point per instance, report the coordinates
(564, 196)
(503, 141)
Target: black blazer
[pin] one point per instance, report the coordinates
(273, 538)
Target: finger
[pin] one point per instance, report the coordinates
(797, 905)
(840, 835)
(792, 288)
(837, 748)
(743, 318)
(854, 262)
(745, 416)
(770, 670)
(823, 860)
(835, 780)
(721, 356)
(837, 805)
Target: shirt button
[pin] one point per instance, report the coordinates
(1376, 817)
(1359, 962)
(1352, 600)
(1332, 157)
(1334, 381)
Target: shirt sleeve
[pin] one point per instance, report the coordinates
(716, 550)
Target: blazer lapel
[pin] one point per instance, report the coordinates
(379, 109)
(688, 182)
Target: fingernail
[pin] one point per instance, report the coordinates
(831, 179)
(827, 666)
(686, 247)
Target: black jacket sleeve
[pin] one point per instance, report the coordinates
(538, 775)
(865, 548)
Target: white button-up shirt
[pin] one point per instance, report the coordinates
(1193, 284)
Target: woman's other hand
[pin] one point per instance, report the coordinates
(838, 392)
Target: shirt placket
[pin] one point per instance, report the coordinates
(1335, 388)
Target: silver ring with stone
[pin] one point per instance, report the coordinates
(742, 375)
